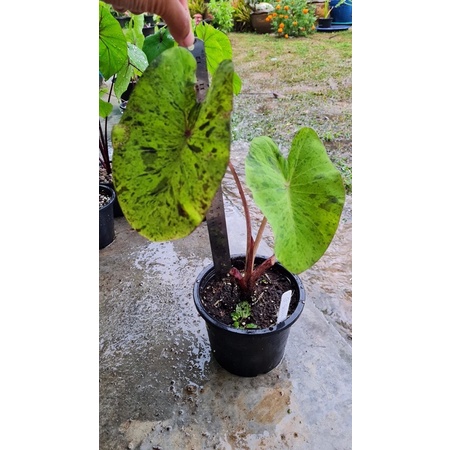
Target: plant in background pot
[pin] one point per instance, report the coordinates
(106, 215)
(258, 16)
(292, 18)
(326, 20)
(113, 54)
(222, 15)
(121, 61)
(241, 15)
(198, 9)
(169, 164)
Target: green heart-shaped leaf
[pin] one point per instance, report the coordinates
(137, 63)
(217, 48)
(302, 197)
(105, 108)
(170, 156)
(112, 43)
(156, 43)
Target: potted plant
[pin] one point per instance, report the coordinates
(198, 9)
(222, 15)
(121, 60)
(113, 55)
(106, 215)
(241, 15)
(326, 20)
(258, 16)
(169, 163)
(129, 73)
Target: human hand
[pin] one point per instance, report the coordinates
(175, 14)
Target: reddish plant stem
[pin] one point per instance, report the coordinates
(104, 136)
(103, 145)
(258, 238)
(249, 257)
(248, 281)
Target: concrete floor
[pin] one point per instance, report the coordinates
(160, 388)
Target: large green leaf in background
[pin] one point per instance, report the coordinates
(156, 43)
(217, 48)
(112, 43)
(170, 156)
(302, 197)
(135, 65)
(133, 31)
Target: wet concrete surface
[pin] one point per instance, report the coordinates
(160, 387)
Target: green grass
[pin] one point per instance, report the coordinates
(311, 80)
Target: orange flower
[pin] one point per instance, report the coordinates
(286, 7)
(281, 25)
(305, 11)
(286, 36)
(313, 27)
(295, 23)
(278, 7)
(280, 30)
(268, 19)
(286, 17)
(274, 14)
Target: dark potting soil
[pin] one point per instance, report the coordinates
(220, 298)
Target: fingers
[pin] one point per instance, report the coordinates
(175, 14)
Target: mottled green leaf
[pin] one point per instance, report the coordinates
(170, 156)
(217, 48)
(302, 197)
(112, 43)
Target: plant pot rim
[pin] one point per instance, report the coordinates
(208, 272)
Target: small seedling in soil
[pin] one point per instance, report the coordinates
(242, 312)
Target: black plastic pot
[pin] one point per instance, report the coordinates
(126, 95)
(123, 20)
(117, 209)
(106, 218)
(148, 31)
(248, 353)
(148, 19)
(325, 23)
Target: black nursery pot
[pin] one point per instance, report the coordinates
(248, 353)
(325, 23)
(106, 218)
(117, 209)
(123, 20)
(147, 31)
